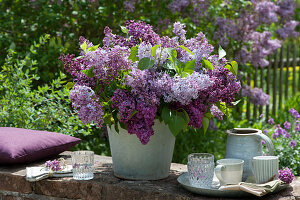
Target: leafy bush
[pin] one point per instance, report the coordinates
(46, 108)
(24, 21)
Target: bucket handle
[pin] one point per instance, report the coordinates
(268, 141)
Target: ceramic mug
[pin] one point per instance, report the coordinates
(265, 168)
(229, 171)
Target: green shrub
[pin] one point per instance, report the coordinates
(46, 108)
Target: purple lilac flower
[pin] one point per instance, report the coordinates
(261, 115)
(287, 125)
(53, 165)
(286, 9)
(141, 31)
(144, 50)
(263, 142)
(267, 12)
(178, 30)
(140, 123)
(256, 95)
(294, 113)
(216, 112)
(129, 5)
(288, 30)
(178, 5)
(84, 101)
(262, 46)
(297, 126)
(271, 121)
(184, 90)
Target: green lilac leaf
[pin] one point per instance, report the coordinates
(93, 48)
(205, 123)
(69, 85)
(169, 65)
(145, 63)
(189, 66)
(222, 52)
(133, 113)
(83, 46)
(176, 123)
(89, 72)
(189, 51)
(133, 53)
(124, 29)
(166, 115)
(234, 67)
(153, 50)
(207, 64)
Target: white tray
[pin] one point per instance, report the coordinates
(183, 179)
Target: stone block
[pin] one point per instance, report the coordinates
(14, 183)
(68, 188)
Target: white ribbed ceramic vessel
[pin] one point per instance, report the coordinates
(265, 168)
(135, 161)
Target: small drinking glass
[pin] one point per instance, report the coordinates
(201, 169)
(83, 165)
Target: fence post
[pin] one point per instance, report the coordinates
(275, 66)
(287, 71)
(268, 84)
(280, 79)
(262, 69)
(294, 69)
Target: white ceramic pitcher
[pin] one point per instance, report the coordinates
(245, 143)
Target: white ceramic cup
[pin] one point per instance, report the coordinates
(265, 168)
(229, 171)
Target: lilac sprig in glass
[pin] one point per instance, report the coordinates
(286, 175)
(55, 165)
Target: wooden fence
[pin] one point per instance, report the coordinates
(280, 79)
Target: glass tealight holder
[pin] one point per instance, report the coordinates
(83, 165)
(201, 169)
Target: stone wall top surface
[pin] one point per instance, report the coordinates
(106, 186)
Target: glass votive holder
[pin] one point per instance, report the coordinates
(83, 165)
(201, 169)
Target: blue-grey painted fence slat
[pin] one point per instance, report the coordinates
(255, 85)
(287, 71)
(275, 82)
(248, 103)
(268, 84)
(280, 78)
(262, 80)
(294, 69)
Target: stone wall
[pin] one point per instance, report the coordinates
(105, 186)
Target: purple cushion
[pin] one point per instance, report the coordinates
(19, 145)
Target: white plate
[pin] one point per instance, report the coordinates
(183, 179)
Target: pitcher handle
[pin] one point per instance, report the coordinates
(268, 141)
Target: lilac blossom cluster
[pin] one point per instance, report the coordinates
(244, 29)
(199, 8)
(256, 95)
(84, 101)
(114, 78)
(53, 165)
(286, 175)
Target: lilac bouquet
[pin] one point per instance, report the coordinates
(134, 79)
